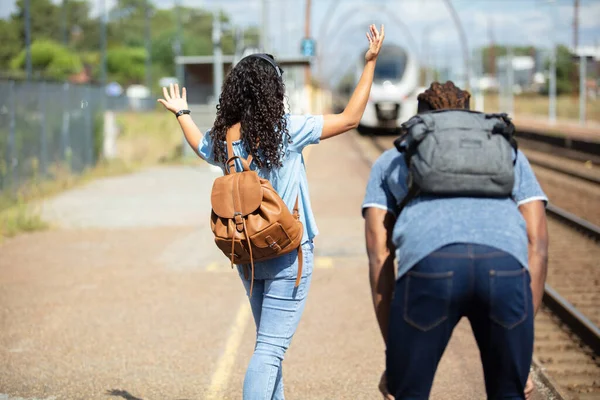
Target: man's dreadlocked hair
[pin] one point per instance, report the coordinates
(441, 97)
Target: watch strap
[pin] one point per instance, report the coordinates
(181, 112)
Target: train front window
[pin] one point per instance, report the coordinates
(390, 68)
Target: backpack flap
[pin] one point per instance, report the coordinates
(236, 193)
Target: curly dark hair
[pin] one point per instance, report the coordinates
(441, 97)
(253, 94)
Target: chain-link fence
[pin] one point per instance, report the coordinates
(47, 125)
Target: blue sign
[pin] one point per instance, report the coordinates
(308, 47)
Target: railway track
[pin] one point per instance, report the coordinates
(567, 344)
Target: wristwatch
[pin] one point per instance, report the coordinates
(181, 112)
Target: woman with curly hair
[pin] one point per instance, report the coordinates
(251, 113)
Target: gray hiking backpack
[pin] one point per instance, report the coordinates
(458, 153)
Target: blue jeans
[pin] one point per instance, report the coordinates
(484, 284)
(277, 306)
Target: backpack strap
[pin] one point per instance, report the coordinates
(300, 262)
(413, 191)
(507, 130)
(300, 258)
(231, 157)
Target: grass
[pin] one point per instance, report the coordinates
(145, 139)
(149, 138)
(18, 212)
(20, 218)
(567, 107)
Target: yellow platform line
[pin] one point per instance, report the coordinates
(213, 266)
(227, 360)
(323, 262)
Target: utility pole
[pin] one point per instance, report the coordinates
(307, 36)
(147, 12)
(27, 40)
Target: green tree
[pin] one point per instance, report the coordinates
(45, 20)
(126, 65)
(566, 72)
(11, 42)
(49, 59)
(83, 32)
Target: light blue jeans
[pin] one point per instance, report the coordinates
(277, 306)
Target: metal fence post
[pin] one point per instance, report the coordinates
(11, 158)
(510, 78)
(43, 131)
(582, 88)
(64, 142)
(88, 135)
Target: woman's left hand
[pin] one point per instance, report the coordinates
(529, 386)
(174, 101)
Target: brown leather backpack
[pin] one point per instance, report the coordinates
(249, 220)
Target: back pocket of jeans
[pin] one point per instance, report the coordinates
(508, 297)
(427, 299)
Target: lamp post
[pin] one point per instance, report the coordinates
(463, 41)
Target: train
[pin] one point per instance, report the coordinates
(393, 98)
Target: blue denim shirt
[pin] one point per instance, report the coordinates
(289, 180)
(428, 223)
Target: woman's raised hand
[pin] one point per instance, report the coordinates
(174, 101)
(375, 42)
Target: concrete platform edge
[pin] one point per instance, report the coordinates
(547, 381)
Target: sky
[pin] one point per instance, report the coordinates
(339, 25)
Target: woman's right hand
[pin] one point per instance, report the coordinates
(375, 42)
(174, 101)
(383, 387)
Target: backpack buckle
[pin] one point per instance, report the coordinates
(239, 222)
(272, 244)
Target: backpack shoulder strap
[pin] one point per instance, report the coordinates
(413, 191)
(231, 157)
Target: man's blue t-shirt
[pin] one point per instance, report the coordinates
(428, 223)
(290, 179)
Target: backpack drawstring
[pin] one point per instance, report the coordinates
(251, 257)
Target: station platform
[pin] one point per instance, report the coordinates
(566, 128)
(128, 297)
